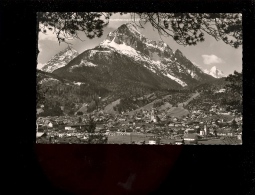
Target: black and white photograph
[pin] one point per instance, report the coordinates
(139, 78)
(128, 97)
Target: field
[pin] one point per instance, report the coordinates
(127, 139)
(177, 112)
(109, 107)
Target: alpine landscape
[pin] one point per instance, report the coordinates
(129, 89)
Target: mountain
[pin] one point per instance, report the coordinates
(216, 73)
(127, 59)
(59, 60)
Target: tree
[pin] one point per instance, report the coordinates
(235, 83)
(184, 28)
(234, 125)
(92, 125)
(234, 87)
(215, 133)
(96, 99)
(79, 113)
(97, 139)
(66, 25)
(190, 28)
(71, 112)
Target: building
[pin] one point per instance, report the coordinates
(202, 132)
(221, 91)
(40, 134)
(68, 127)
(213, 108)
(205, 130)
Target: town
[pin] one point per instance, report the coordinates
(197, 118)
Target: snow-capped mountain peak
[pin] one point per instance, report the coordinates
(60, 59)
(127, 54)
(216, 73)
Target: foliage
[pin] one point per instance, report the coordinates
(97, 139)
(234, 125)
(158, 104)
(190, 28)
(92, 125)
(71, 112)
(235, 90)
(184, 28)
(67, 24)
(235, 83)
(52, 110)
(128, 104)
(79, 113)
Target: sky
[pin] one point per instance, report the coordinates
(205, 54)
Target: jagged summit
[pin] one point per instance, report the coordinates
(128, 38)
(61, 59)
(216, 73)
(127, 55)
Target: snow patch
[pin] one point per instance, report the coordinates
(78, 83)
(123, 48)
(177, 80)
(83, 63)
(47, 80)
(50, 68)
(193, 75)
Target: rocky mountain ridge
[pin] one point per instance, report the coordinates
(59, 60)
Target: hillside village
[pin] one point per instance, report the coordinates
(194, 118)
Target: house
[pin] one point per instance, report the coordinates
(68, 127)
(50, 124)
(222, 112)
(213, 108)
(202, 132)
(171, 125)
(183, 124)
(239, 137)
(175, 119)
(40, 134)
(39, 110)
(40, 128)
(221, 91)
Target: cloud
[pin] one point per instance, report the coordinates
(212, 59)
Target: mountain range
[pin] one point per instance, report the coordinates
(125, 60)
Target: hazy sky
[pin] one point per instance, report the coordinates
(206, 54)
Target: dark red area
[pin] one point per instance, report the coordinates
(100, 169)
